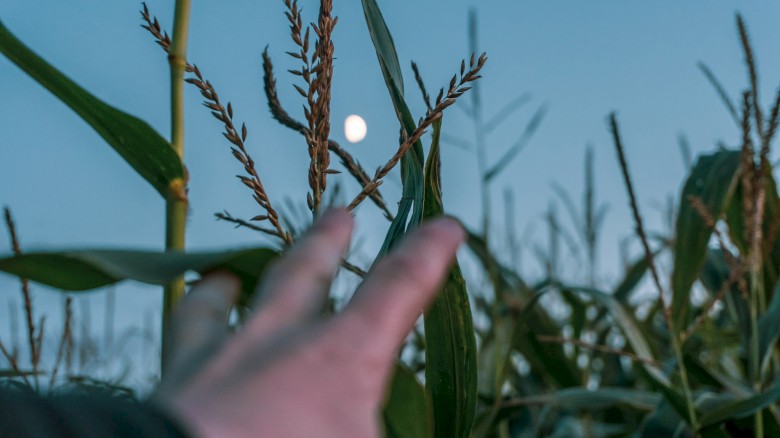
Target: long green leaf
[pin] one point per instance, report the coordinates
(769, 328)
(383, 42)
(712, 180)
(140, 145)
(664, 421)
(90, 269)
(407, 411)
(412, 162)
(601, 398)
(741, 408)
(450, 344)
(583, 399)
(518, 146)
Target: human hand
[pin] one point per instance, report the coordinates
(288, 372)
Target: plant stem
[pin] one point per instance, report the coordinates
(683, 374)
(176, 204)
(755, 354)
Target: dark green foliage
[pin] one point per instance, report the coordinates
(90, 269)
(712, 180)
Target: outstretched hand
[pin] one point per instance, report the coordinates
(289, 372)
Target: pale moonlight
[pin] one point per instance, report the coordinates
(355, 129)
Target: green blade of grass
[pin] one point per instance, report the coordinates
(741, 408)
(384, 45)
(712, 180)
(90, 269)
(451, 347)
(519, 145)
(137, 142)
(407, 413)
(769, 328)
(412, 162)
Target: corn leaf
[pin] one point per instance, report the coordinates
(741, 408)
(407, 412)
(383, 42)
(90, 269)
(518, 146)
(769, 328)
(602, 398)
(451, 347)
(712, 180)
(664, 421)
(140, 145)
(412, 162)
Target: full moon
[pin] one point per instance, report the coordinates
(355, 128)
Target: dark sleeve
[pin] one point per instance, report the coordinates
(26, 414)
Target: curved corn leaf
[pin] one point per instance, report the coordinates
(411, 177)
(90, 269)
(451, 347)
(741, 408)
(412, 161)
(712, 180)
(383, 42)
(583, 399)
(769, 328)
(407, 412)
(518, 146)
(140, 145)
(664, 421)
(602, 398)
(746, 425)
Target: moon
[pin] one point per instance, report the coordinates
(355, 129)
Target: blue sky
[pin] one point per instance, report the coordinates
(584, 59)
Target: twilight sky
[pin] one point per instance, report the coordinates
(584, 59)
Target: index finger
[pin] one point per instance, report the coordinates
(402, 285)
